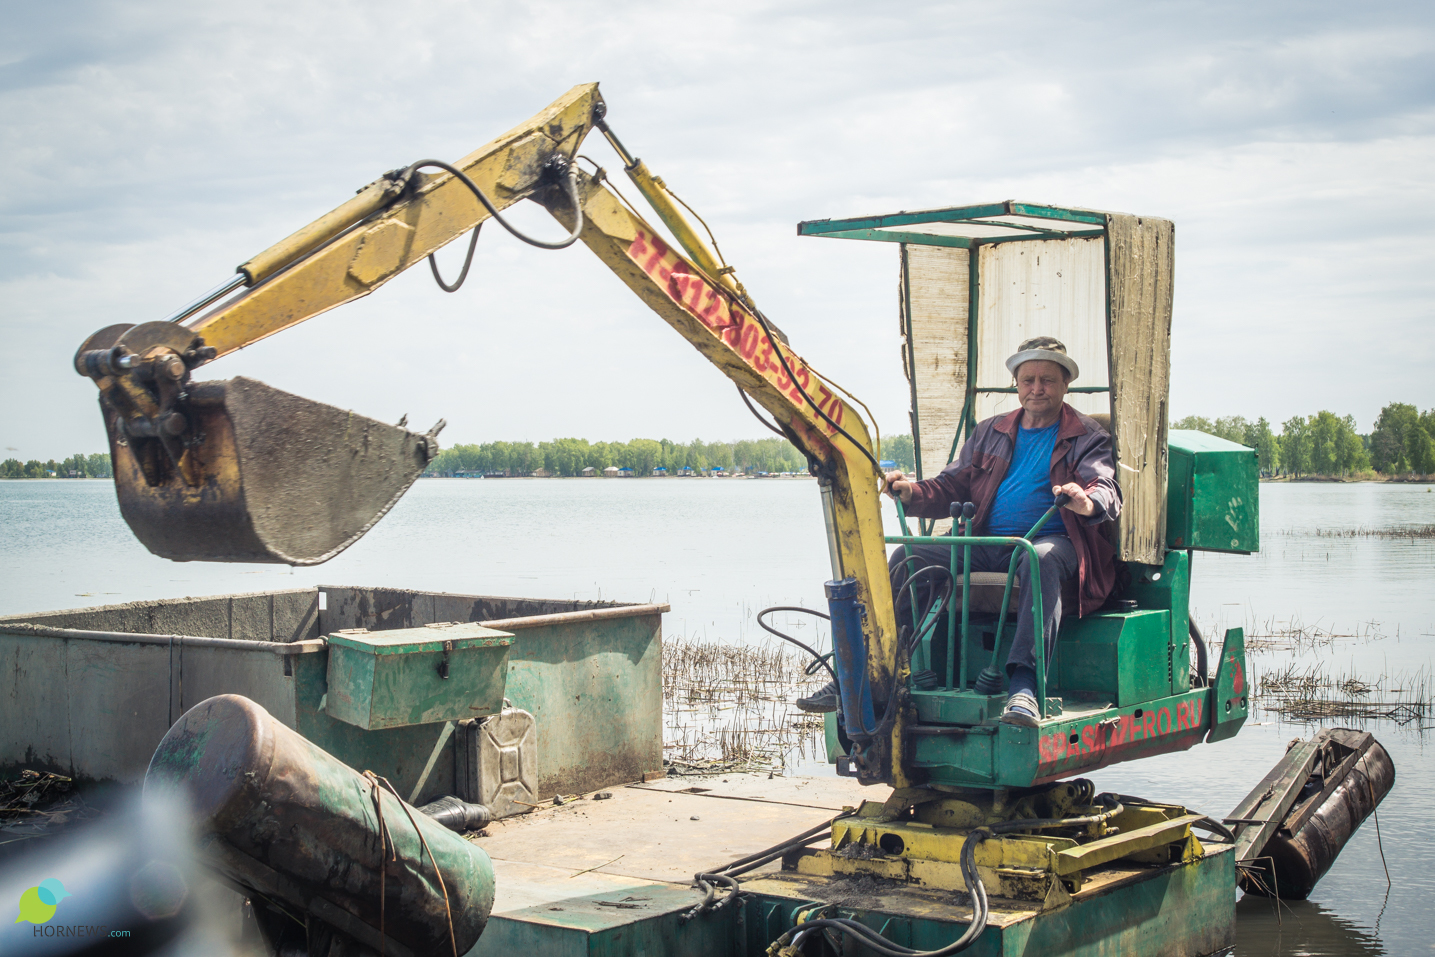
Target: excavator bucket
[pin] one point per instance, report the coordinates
(261, 475)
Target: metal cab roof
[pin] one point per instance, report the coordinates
(964, 226)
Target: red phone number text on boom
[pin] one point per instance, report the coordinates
(739, 331)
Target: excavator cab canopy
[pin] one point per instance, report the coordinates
(977, 280)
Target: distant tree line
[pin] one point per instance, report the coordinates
(1402, 442)
(569, 457)
(76, 466)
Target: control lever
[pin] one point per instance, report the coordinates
(991, 679)
(962, 514)
(1056, 505)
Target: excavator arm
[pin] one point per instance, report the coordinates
(237, 471)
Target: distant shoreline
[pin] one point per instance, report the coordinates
(1364, 478)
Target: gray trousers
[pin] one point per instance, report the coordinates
(1057, 558)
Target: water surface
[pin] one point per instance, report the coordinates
(719, 550)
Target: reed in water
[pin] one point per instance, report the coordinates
(1364, 531)
(728, 707)
(1314, 693)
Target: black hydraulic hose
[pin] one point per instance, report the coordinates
(928, 613)
(862, 736)
(570, 181)
(874, 941)
(941, 599)
(871, 939)
(753, 409)
(820, 658)
(728, 874)
(744, 864)
(467, 261)
(1111, 801)
(1216, 827)
(782, 360)
(1132, 799)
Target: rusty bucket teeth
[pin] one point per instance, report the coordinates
(264, 476)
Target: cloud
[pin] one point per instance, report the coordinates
(148, 150)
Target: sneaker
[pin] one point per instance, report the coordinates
(1020, 710)
(821, 701)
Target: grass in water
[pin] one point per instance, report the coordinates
(729, 707)
(1313, 693)
(1291, 634)
(1364, 531)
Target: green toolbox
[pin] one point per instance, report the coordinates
(408, 676)
(1212, 494)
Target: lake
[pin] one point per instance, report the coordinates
(720, 550)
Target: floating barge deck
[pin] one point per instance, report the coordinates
(615, 876)
(89, 693)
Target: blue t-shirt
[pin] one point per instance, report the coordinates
(1025, 492)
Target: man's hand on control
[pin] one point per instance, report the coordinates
(1080, 503)
(899, 486)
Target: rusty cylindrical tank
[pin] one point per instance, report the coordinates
(1300, 859)
(277, 813)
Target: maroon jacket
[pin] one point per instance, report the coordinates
(1082, 454)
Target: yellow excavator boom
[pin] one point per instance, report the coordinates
(237, 471)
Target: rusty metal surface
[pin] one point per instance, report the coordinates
(381, 609)
(267, 800)
(1319, 827)
(588, 671)
(272, 478)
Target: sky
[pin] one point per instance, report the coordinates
(148, 149)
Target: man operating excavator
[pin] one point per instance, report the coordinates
(1013, 468)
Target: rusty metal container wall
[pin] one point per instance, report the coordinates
(104, 719)
(1301, 859)
(263, 794)
(595, 686)
(1050, 287)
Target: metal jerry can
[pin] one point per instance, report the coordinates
(496, 761)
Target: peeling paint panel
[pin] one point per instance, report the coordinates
(120, 703)
(1140, 259)
(934, 293)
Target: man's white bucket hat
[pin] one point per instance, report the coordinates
(1043, 347)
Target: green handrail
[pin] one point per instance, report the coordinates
(1036, 605)
(961, 669)
(1006, 597)
(1033, 563)
(911, 563)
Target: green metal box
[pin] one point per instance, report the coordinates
(409, 676)
(1121, 656)
(1212, 494)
